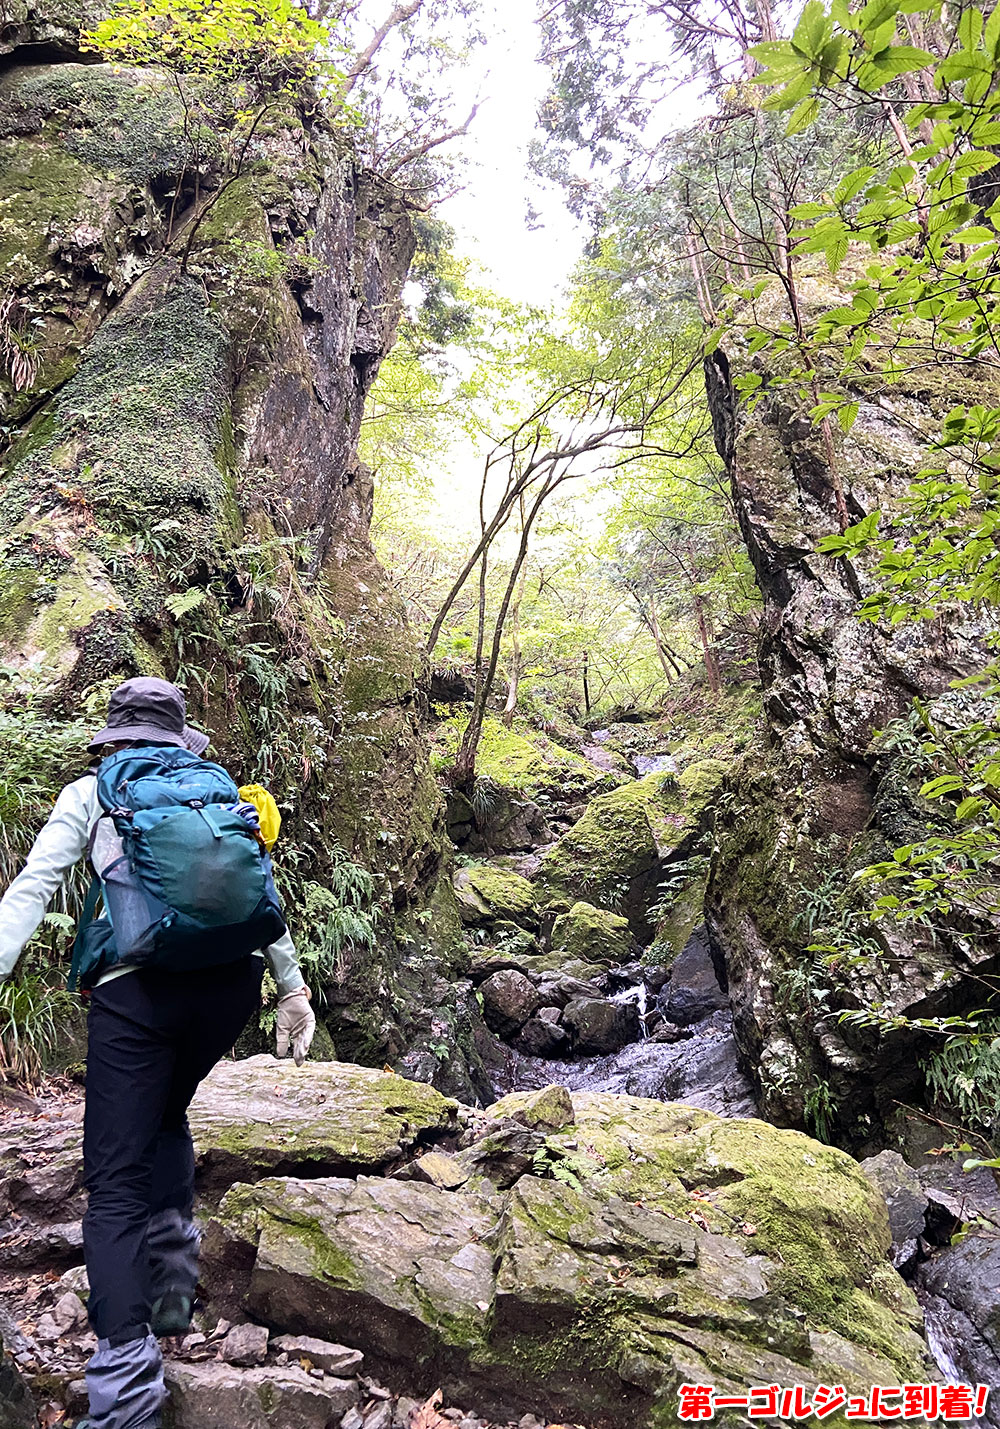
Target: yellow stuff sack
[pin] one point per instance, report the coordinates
(267, 811)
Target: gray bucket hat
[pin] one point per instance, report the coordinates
(149, 709)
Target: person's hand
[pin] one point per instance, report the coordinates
(296, 1024)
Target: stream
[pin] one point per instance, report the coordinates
(687, 1053)
(691, 1057)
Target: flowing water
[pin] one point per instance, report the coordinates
(698, 1065)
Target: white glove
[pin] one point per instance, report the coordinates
(296, 1024)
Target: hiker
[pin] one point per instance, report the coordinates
(174, 974)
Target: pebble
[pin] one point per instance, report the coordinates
(245, 1345)
(528, 1421)
(353, 1419)
(75, 1280)
(405, 1407)
(191, 1341)
(380, 1417)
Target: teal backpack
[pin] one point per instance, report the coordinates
(188, 884)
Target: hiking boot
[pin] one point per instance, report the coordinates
(171, 1314)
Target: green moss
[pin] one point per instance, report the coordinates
(591, 935)
(137, 428)
(487, 893)
(17, 608)
(614, 841)
(522, 759)
(124, 120)
(44, 193)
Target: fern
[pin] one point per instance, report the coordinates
(965, 1077)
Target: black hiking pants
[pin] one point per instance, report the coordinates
(152, 1037)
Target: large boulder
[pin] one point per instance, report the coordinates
(662, 1245)
(599, 1025)
(960, 1289)
(264, 1115)
(249, 1119)
(692, 989)
(509, 999)
(591, 935)
(616, 853)
(487, 894)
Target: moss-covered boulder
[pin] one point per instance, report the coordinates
(260, 1116)
(592, 935)
(616, 853)
(487, 894)
(640, 1246)
(524, 760)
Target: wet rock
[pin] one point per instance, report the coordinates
(692, 991)
(726, 1252)
(262, 1115)
(905, 1200)
(542, 1038)
(219, 1396)
(550, 1014)
(600, 1026)
(959, 1287)
(560, 989)
(332, 1359)
(509, 999)
(486, 893)
(590, 935)
(245, 1345)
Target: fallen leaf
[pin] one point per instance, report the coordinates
(427, 1416)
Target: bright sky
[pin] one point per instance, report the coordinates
(490, 216)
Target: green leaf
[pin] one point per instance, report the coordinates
(977, 234)
(970, 28)
(802, 116)
(836, 252)
(847, 416)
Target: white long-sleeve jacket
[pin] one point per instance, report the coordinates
(62, 843)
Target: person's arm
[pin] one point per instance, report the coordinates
(285, 965)
(296, 1020)
(61, 844)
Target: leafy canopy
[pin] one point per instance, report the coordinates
(272, 42)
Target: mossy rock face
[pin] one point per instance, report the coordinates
(487, 894)
(672, 1247)
(591, 935)
(794, 831)
(615, 853)
(255, 1117)
(182, 492)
